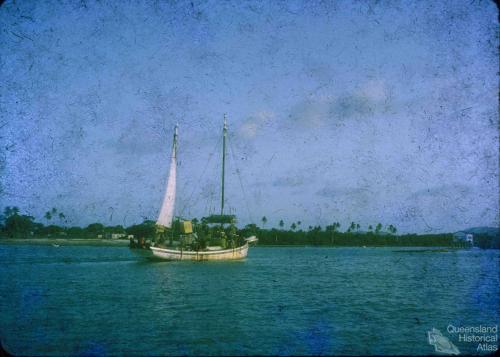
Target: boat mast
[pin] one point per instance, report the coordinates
(175, 142)
(224, 134)
(174, 153)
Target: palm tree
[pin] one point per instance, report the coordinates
(370, 228)
(378, 228)
(352, 227)
(281, 224)
(264, 221)
(392, 229)
(48, 216)
(7, 212)
(293, 226)
(332, 228)
(61, 216)
(299, 223)
(357, 227)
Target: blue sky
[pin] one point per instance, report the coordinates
(338, 111)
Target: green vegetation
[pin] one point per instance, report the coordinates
(13, 224)
(330, 237)
(353, 236)
(145, 229)
(486, 241)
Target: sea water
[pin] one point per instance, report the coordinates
(280, 301)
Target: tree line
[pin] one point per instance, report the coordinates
(13, 224)
(331, 235)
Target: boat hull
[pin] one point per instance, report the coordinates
(173, 254)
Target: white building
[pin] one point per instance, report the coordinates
(463, 237)
(117, 235)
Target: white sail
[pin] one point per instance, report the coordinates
(167, 208)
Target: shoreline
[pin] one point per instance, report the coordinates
(125, 243)
(65, 242)
(361, 246)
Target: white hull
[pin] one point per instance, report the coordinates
(173, 254)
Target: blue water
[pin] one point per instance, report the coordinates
(280, 301)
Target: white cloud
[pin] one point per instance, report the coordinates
(251, 126)
(374, 90)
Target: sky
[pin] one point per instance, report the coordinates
(337, 111)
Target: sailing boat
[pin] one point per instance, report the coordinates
(176, 240)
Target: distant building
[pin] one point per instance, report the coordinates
(117, 235)
(463, 237)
